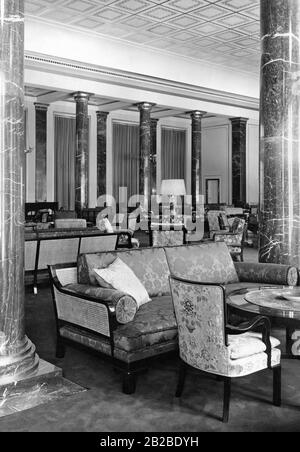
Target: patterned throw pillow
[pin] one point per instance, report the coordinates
(122, 278)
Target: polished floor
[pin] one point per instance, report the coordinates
(103, 408)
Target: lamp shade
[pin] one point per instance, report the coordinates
(173, 187)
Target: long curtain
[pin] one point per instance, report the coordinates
(65, 144)
(125, 158)
(173, 153)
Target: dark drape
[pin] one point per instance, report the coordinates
(173, 153)
(125, 158)
(65, 144)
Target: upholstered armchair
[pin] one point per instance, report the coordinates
(217, 221)
(234, 238)
(209, 344)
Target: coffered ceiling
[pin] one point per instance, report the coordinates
(225, 32)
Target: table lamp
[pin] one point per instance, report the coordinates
(173, 188)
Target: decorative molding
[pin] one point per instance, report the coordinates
(47, 63)
(40, 106)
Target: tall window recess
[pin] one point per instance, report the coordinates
(65, 145)
(126, 160)
(173, 153)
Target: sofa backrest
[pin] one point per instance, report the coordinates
(149, 264)
(206, 262)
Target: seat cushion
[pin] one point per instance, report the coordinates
(154, 323)
(251, 364)
(248, 344)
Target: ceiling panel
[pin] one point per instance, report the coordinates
(222, 31)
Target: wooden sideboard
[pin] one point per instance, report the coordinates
(50, 247)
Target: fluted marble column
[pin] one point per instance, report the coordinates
(82, 151)
(153, 156)
(280, 146)
(101, 152)
(41, 111)
(17, 354)
(197, 117)
(145, 151)
(239, 147)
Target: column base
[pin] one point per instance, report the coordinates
(43, 372)
(42, 386)
(22, 363)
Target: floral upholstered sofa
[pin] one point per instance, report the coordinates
(109, 322)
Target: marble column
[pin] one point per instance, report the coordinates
(41, 112)
(196, 178)
(153, 156)
(101, 152)
(280, 146)
(82, 151)
(239, 147)
(17, 353)
(145, 152)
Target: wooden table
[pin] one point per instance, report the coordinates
(269, 302)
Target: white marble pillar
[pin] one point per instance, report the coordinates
(17, 353)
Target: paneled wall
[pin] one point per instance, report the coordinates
(217, 158)
(216, 151)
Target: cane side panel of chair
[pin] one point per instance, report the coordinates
(58, 251)
(81, 312)
(67, 275)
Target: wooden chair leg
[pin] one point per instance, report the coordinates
(181, 380)
(277, 386)
(60, 349)
(129, 383)
(227, 395)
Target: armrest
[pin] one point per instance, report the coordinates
(233, 239)
(120, 305)
(267, 273)
(257, 322)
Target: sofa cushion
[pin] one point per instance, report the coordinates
(122, 278)
(154, 323)
(248, 344)
(267, 273)
(149, 265)
(125, 306)
(206, 262)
